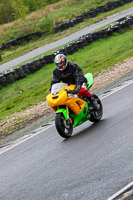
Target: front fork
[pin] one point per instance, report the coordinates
(66, 114)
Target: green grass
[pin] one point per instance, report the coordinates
(56, 16)
(94, 58)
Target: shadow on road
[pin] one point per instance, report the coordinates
(83, 132)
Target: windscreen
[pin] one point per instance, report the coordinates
(56, 88)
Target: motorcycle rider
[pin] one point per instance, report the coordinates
(71, 73)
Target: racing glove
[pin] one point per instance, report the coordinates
(75, 91)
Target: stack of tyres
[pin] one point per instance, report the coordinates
(100, 9)
(43, 61)
(13, 42)
(31, 67)
(74, 46)
(61, 27)
(3, 82)
(115, 27)
(62, 50)
(9, 77)
(116, 4)
(129, 21)
(88, 38)
(21, 39)
(96, 35)
(86, 14)
(104, 33)
(79, 19)
(124, 24)
(130, 18)
(75, 21)
(19, 71)
(69, 49)
(110, 4)
(80, 43)
(49, 58)
(106, 8)
(13, 72)
(82, 16)
(70, 23)
(25, 68)
(109, 31)
(127, 1)
(37, 64)
(93, 13)
(121, 2)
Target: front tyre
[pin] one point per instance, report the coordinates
(64, 128)
(97, 114)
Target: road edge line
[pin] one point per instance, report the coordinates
(122, 191)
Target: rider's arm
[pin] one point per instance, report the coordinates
(79, 77)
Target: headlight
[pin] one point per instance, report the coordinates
(72, 95)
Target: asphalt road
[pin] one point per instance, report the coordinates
(65, 40)
(93, 164)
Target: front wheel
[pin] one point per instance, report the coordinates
(63, 127)
(97, 114)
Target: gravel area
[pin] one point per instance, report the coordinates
(21, 119)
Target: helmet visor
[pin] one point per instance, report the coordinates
(60, 65)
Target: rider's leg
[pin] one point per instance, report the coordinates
(91, 101)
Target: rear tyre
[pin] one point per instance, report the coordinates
(64, 128)
(96, 115)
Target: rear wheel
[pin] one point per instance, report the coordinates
(63, 127)
(97, 114)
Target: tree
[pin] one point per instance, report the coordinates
(19, 10)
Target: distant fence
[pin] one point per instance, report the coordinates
(91, 13)
(13, 75)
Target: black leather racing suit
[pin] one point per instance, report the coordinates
(73, 74)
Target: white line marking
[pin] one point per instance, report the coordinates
(116, 90)
(123, 190)
(27, 137)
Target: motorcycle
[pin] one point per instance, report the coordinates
(71, 110)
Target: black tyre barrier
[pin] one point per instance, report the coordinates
(74, 46)
(121, 2)
(49, 58)
(92, 13)
(13, 72)
(20, 40)
(63, 50)
(9, 77)
(127, 1)
(33, 66)
(3, 82)
(88, 38)
(19, 71)
(37, 64)
(25, 68)
(42, 61)
(69, 49)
